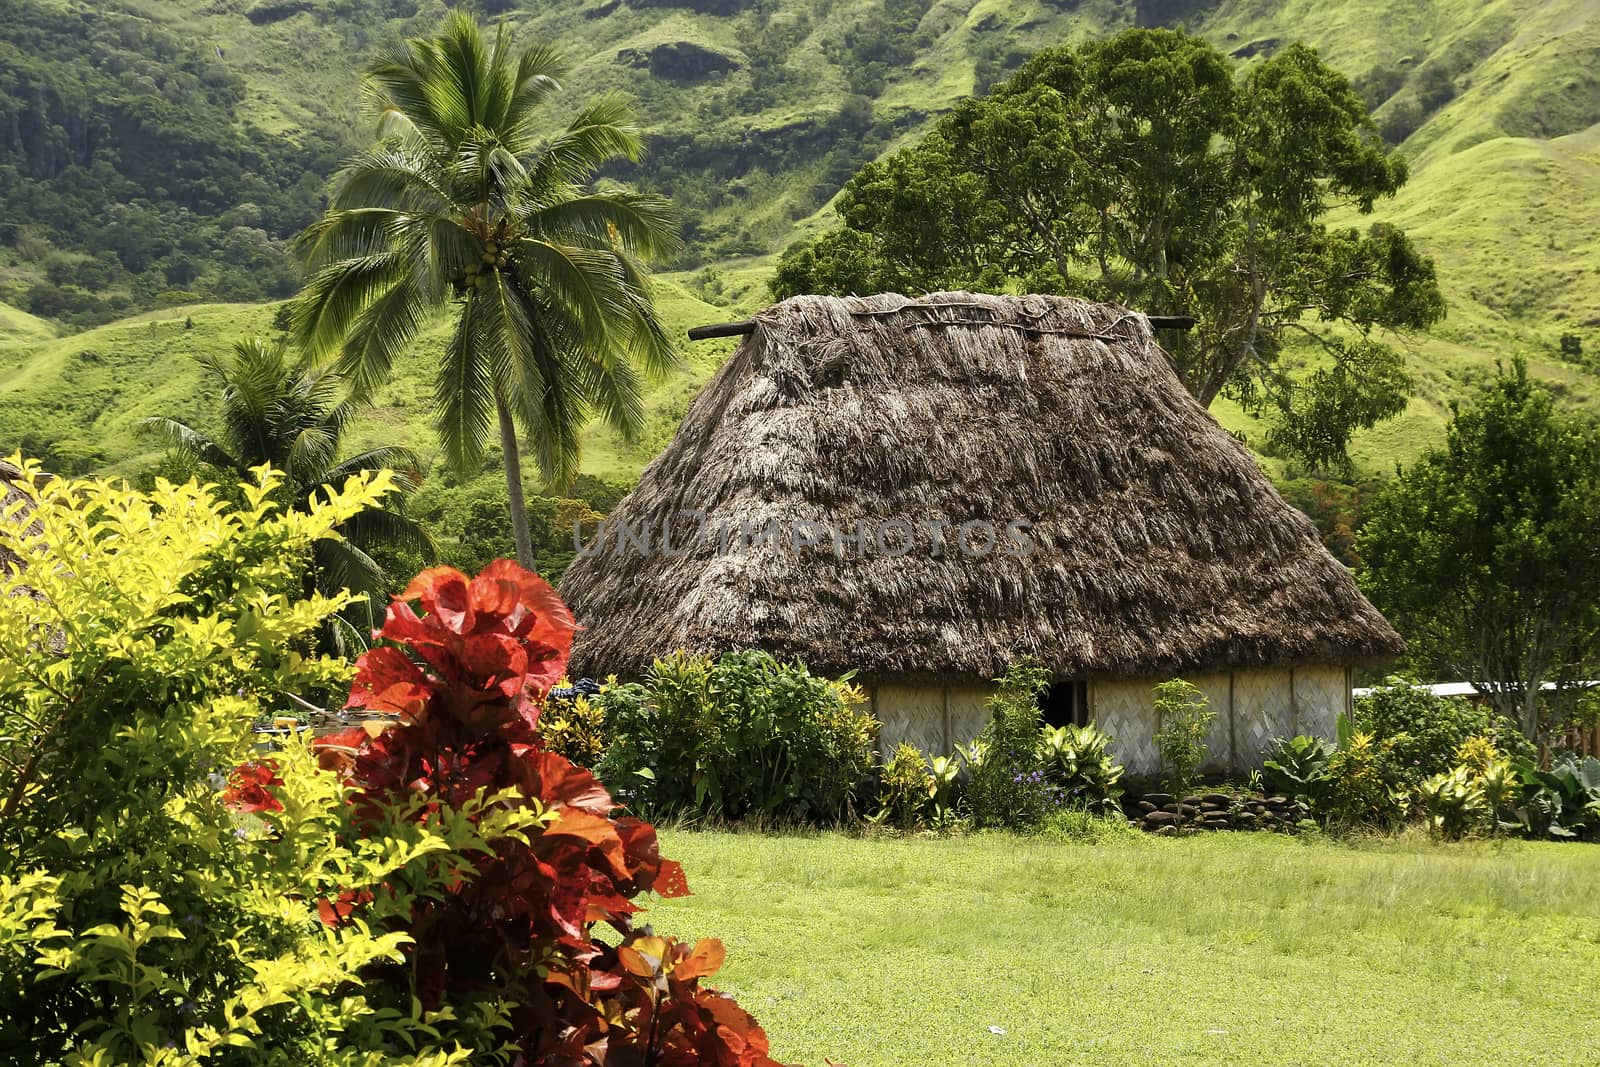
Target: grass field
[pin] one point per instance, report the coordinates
(1223, 949)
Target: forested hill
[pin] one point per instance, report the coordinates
(162, 152)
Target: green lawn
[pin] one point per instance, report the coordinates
(1223, 949)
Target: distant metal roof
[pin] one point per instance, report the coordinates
(1472, 689)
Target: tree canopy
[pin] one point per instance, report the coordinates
(282, 413)
(1145, 170)
(464, 208)
(1484, 553)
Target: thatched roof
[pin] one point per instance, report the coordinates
(1160, 545)
(11, 477)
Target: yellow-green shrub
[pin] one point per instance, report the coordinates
(576, 729)
(142, 921)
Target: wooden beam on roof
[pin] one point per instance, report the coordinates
(744, 327)
(725, 329)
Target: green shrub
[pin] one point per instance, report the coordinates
(1298, 767)
(575, 728)
(905, 786)
(143, 916)
(737, 736)
(1425, 729)
(1008, 785)
(1455, 802)
(1561, 803)
(1365, 786)
(1183, 715)
(1078, 761)
(946, 790)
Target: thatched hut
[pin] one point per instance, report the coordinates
(924, 490)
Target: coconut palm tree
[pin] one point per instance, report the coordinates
(294, 417)
(463, 208)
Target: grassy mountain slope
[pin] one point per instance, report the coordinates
(76, 401)
(17, 327)
(760, 109)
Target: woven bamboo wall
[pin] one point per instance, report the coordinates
(934, 718)
(1252, 709)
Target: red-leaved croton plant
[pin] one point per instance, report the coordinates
(466, 670)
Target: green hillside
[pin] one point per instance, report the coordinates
(759, 110)
(76, 401)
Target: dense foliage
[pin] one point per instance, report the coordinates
(281, 413)
(738, 735)
(508, 930)
(1183, 715)
(1483, 553)
(130, 174)
(470, 206)
(1077, 760)
(1141, 169)
(433, 903)
(1298, 767)
(1426, 729)
(140, 920)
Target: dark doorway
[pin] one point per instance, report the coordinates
(1065, 703)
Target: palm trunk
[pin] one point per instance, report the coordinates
(519, 509)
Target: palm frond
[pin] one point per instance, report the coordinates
(649, 343)
(334, 296)
(342, 565)
(391, 529)
(602, 131)
(183, 438)
(383, 330)
(587, 282)
(642, 222)
(464, 393)
(399, 178)
(405, 464)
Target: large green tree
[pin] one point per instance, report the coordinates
(280, 412)
(1484, 553)
(463, 208)
(1144, 169)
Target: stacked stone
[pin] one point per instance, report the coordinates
(1165, 814)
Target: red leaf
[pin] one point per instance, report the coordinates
(443, 593)
(704, 960)
(670, 881)
(247, 787)
(387, 680)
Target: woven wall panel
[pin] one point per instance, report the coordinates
(913, 715)
(1262, 712)
(1126, 711)
(1320, 694)
(968, 713)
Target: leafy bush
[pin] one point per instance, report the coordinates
(503, 929)
(456, 868)
(1183, 715)
(739, 735)
(1455, 802)
(1008, 785)
(905, 786)
(575, 728)
(142, 920)
(1078, 761)
(1365, 784)
(1561, 803)
(1298, 767)
(1425, 729)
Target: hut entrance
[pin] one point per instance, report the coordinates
(1065, 703)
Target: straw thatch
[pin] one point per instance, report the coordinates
(1160, 545)
(11, 477)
